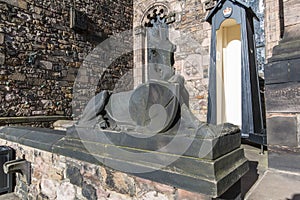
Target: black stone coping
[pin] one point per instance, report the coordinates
(211, 177)
(159, 142)
(39, 138)
(30, 119)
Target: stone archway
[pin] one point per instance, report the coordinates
(143, 16)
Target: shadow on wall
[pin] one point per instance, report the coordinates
(85, 26)
(249, 179)
(295, 197)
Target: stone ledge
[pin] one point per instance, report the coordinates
(28, 119)
(211, 177)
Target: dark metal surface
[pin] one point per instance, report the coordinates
(6, 180)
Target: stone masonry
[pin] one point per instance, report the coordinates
(59, 177)
(192, 39)
(40, 54)
(282, 87)
(272, 25)
(191, 35)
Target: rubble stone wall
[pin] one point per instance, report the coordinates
(40, 54)
(58, 177)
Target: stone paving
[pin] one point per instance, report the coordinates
(261, 183)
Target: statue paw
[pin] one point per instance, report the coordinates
(207, 131)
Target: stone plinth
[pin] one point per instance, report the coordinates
(209, 166)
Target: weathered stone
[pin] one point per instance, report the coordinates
(38, 112)
(88, 191)
(282, 130)
(1, 38)
(63, 124)
(17, 77)
(46, 64)
(154, 196)
(186, 195)
(49, 187)
(10, 97)
(22, 4)
(121, 183)
(73, 173)
(2, 58)
(65, 191)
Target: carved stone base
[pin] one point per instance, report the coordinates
(209, 166)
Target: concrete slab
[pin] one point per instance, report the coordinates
(276, 185)
(258, 164)
(267, 184)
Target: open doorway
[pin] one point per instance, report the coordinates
(229, 73)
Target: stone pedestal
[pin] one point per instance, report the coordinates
(209, 166)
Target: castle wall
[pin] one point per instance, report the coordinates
(40, 54)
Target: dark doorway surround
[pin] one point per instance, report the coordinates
(252, 126)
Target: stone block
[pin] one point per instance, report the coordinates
(18, 3)
(298, 129)
(46, 64)
(17, 76)
(1, 38)
(73, 173)
(187, 195)
(284, 158)
(48, 188)
(63, 124)
(153, 195)
(65, 191)
(282, 130)
(122, 183)
(2, 59)
(88, 191)
(22, 4)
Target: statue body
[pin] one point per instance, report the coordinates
(161, 105)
